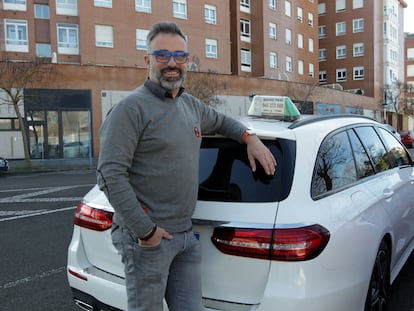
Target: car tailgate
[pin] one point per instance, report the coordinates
(231, 277)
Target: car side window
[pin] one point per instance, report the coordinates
(334, 167)
(374, 147)
(362, 161)
(397, 155)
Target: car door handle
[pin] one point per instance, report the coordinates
(387, 193)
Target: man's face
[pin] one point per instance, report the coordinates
(170, 75)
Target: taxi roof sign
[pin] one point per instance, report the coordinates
(275, 107)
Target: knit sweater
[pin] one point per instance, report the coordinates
(149, 157)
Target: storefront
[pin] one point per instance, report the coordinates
(58, 123)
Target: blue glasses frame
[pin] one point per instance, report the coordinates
(164, 56)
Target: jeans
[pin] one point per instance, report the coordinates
(170, 270)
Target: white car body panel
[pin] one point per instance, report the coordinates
(358, 218)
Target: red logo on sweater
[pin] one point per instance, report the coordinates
(197, 132)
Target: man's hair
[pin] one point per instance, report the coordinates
(164, 27)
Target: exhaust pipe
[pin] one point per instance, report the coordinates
(83, 305)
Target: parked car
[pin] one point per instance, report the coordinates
(407, 138)
(4, 165)
(331, 230)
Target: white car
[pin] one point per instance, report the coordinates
(330, 230)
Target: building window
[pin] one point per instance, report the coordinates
(67, 7)
(288, 36)
(289, 64)
(104, 36)
(272, 5)
(410, 53)
(246, 60)
(273, 59)
(340, 28)
(340, 75)
(16, 35)
(358, 49)
(68, 38)
(300, 41)
(310, 19)
(288, 8)
(41, 11)
(211, 48)
(180, 8)
(340, 5)
(311, 70)
(358, 25)
(341, 52)
(15, 5)
(300, 14)
(310, 43)
(143, 6)
(357, 4)
(322, 31)
(245, 31)
(300, 67)
(321, 8)
(359, 73)
(322, 76)
(141, 39)
(245, 6)
(322, 55)
(43, 50)
(272, 31)
(210, 14)
(103, 3)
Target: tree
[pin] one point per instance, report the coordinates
(301, 94)
(203, 85)
(395, 96)
(15, 76)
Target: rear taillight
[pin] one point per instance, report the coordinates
(92, 218)
(287, 244)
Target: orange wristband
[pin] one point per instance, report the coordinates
(244, 136)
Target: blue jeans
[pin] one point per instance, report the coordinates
(170, 270)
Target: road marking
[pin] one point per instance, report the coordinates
(35, 277)
(23, 197)
(38, 213)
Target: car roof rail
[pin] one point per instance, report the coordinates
(317, 118)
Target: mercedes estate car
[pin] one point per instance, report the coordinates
(331, 230)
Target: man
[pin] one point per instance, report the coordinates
(148, 169)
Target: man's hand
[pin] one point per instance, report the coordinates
(155, 240)
(256, 150)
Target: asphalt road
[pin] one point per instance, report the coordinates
(36, 221)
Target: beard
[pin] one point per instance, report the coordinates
(169, 83)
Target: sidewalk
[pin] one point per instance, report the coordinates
(40, 165)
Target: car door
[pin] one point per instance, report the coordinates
(394, 186)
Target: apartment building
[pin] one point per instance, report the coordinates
(272, 43)
(408, 122)
(360, 45)
(275, 39)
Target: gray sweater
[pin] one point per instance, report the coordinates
(149, 157)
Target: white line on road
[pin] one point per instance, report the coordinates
(33, 278)
(42, 212)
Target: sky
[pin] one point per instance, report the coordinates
(409, 17)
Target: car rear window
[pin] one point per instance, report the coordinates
(225, 173)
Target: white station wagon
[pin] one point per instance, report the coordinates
(330, 230)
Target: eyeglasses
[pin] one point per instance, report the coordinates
(164, 56)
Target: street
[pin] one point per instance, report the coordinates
(36, 221)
